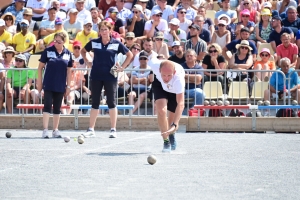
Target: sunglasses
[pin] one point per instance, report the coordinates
(158, 15)
(88, 26)
(245, 16)
(244, 47)
(213, 51)
(129, 38)
(18, 60)
(58, 42)
(264, 55)
(143, 58)
(182, 12)
(246, 4)
(76, 47)
(221, 25)
(8, 18)
(158, 39)
(136, 48)
(25, 15)
(24, 25)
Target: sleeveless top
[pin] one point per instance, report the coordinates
(264, 33)
(221, 40)
(238, 61)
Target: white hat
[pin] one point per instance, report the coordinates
(137, 7)
(73, 10)
(87, 21)
(267, 5)
(224, 15)
(175, 22)
(175, 43)
(25, 21)
(223, 22)
(2, 22)
(156, 12)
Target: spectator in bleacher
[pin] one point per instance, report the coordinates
(88, 4)
(83, 14)
(166, 10)
(18, 83)
(60, 12)
(118, 26)
(263, 28)
(114, 34)
(245, 33)
(38, 8)
(95, 18)
(193, 79)
(207, 5)
(253, 4)
(283, 5)
(9, 23)
(141, 83)
(204, 34)
(190, 12)
(2, 83)
(72, 25)
(104, 48)
(57, 60)
(208, 23)
(242, 60)
(8, 57)
(298, 44)
(146, 12)
(268, 5)
(24, 42)
(214, 61)
(245, 21)
(47, 27)
(230, 27)
(264, 64)
(277, 86)
(5, 36)
(184, 22)
(196, 43)
(104, 6)
(221, 36)
(178, 55)
(136, 24)
(16, 10)
(292, 20)
(174, 34)
(156, 24)
(287, 50)
(135, 49)
(226, 10)
(33, 25)
(129, 39)
(278, 30)
(123, 13)
(65, 5)
(159, 46)
(148, 47)
(253, 17)
(87, 34)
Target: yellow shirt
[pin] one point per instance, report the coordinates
(6, 37)
(48, 39)
(84, 39)
(23, 42)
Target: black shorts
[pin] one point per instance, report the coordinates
(149, 92)
(160, 93)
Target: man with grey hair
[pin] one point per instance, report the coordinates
(59, 14)
(292, 20)
(193, 79)
(278, 87)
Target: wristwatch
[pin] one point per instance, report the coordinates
(173, 124)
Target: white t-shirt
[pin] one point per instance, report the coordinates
(185, 25)
(136, 61)
(66, 4)
(162, 26)
(84, 15)
(165, 13)
(141, 74)
(169, 39)
(59, 14)
(37, 4)
(177, 84)
(72, 29)
(291, 3)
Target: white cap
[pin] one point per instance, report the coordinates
(175, 22)
(25, 21)
(175, 43)
(2, 22)
(267, 5)
(137, 7)
(88, 21)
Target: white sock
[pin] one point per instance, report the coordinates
(113, 129)
(92, 129)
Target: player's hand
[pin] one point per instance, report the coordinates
(170, 131)
(119, 68)
(68, 91)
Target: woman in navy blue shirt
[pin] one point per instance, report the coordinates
(57, 61)
(105, 50)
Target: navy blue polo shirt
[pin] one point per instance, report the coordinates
(231, 46)
(55, 77)
(193, 85)
(274, 36)
(294, 26)
(204, 35)
(104, 58)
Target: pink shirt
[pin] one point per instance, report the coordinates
(288, 52)
(255, 5)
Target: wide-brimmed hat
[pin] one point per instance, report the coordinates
(243, 43)
(27, 11)
(266, 11)
(9, 49)
(22, 57)
(9, 14)
(245, 12)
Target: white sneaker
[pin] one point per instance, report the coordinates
(113, 134)
(89, 133)
(45, 134)
(56, 134)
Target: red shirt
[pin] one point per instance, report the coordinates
(288, 52)
(104, 6)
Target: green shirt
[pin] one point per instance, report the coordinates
(19, 77)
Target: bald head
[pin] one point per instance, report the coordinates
(167, 70)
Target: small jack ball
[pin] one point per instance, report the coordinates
(151, 159)
(8, 134)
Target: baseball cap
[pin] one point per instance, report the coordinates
(267, 5)
(130, 35)
(245, 12)
(277, 17)
(159, 34)
(245, 29)
(265, 50)
(77, 43)
(143, 0)
(156, 12)
(137, 7)
(73, 10)
(110, 20)
(88, 21)
(58, 21)
(113, 10)
(175, 22)
(25, 21)
(143, 54)
(196, 26)
(181, 9)
(2, 22)
(79, 1)
(175, 43)
(20, 0)
(52, 8)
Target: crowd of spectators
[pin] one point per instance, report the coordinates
(201, 34)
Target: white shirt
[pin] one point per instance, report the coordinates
(185, 25)
(291, 3)
(169, 39)
(37, 4)
(60, 14)
(136, 61)
(83, 15)
(141, 74)
(177, 84)
(162, 26)
(168, 11)
(88, 4)
(66, 4)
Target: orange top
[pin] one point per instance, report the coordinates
(270, 63)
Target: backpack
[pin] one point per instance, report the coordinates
(236, 113)
(258, 114)
(215, 113)
(194, 112)
(288, 112)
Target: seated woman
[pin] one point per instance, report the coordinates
(8, 57)
(221, 36)
(263, 29)
(241, 61)
(159, 46)
(18, 83)
(135, 49)
(265, 63)
(245, 21)
(214, 60)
